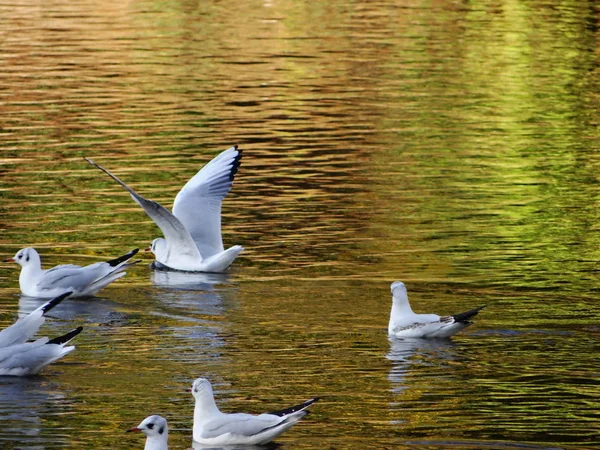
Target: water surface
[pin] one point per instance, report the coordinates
(452, 146)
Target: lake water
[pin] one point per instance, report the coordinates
(450, 145)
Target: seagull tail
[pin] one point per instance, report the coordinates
(295, 408)
(465, 316)
(121, 259)
(65, 337)
(55, 301)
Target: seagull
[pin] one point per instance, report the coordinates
(80, 281)
(156, 431)
(404, 323)
(192, 233)
(19, 357)
(212, 427)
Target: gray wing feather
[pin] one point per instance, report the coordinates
(67, 277)
(240, 424)
(177, 236)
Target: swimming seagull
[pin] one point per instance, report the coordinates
(80, 281)
(156, 431)
(212, 427)
(404, 323)
(19, 357)
(192, 233)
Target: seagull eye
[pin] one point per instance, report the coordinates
(20, 256)
(161, 430)
(27, 259)
(150, 426)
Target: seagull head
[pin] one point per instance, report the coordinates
(25, 257)
(398, 288)
(152, 426)
(400, 305)
(201, 387)
(399, 293)
(159, 248)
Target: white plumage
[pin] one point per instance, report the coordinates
(212, 427)
(404, 323)
(156, 430)
(192, 233)
(80, 281)
(19, 357)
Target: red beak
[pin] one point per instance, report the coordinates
(147, 249)
(9, 260)
(188, 390)
(134, 430)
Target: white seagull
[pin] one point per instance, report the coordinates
(192, 233)
(80, 281)
(156, 431)
(212, 427)
(19, 357)
(404, 323)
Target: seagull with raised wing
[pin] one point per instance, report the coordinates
(212, 427)
(156, 430)
(80, 281)
(19, 357)
(404, 323)
(192, 233)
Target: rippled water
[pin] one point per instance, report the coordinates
(452, 145)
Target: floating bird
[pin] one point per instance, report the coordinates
(404, 323)
(156, 431)
(80, 281)
(192, 233)
(19, 357)
(212, 427)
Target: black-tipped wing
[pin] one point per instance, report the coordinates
(179, 240)
(465, 316)
(198, 204)
(65, 337)
(295, 408)
(121, 259)
(52, 303)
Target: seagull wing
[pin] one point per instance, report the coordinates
(198, 204)
(239, 424)
(69, 277)
(25, 327)
(179, 240)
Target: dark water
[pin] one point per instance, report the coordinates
(451, 145)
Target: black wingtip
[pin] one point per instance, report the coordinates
(121, 259)
(463, 317)
(55, 301)
(293, 409)
(237, 161)
(65, 337)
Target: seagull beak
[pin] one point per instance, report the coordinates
(9, 260)
(147, 249)
(134, 430)
(188, 390)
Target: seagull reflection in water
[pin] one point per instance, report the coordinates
(270, 446)
(94, 309)
(406, 352)
(185, 281)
